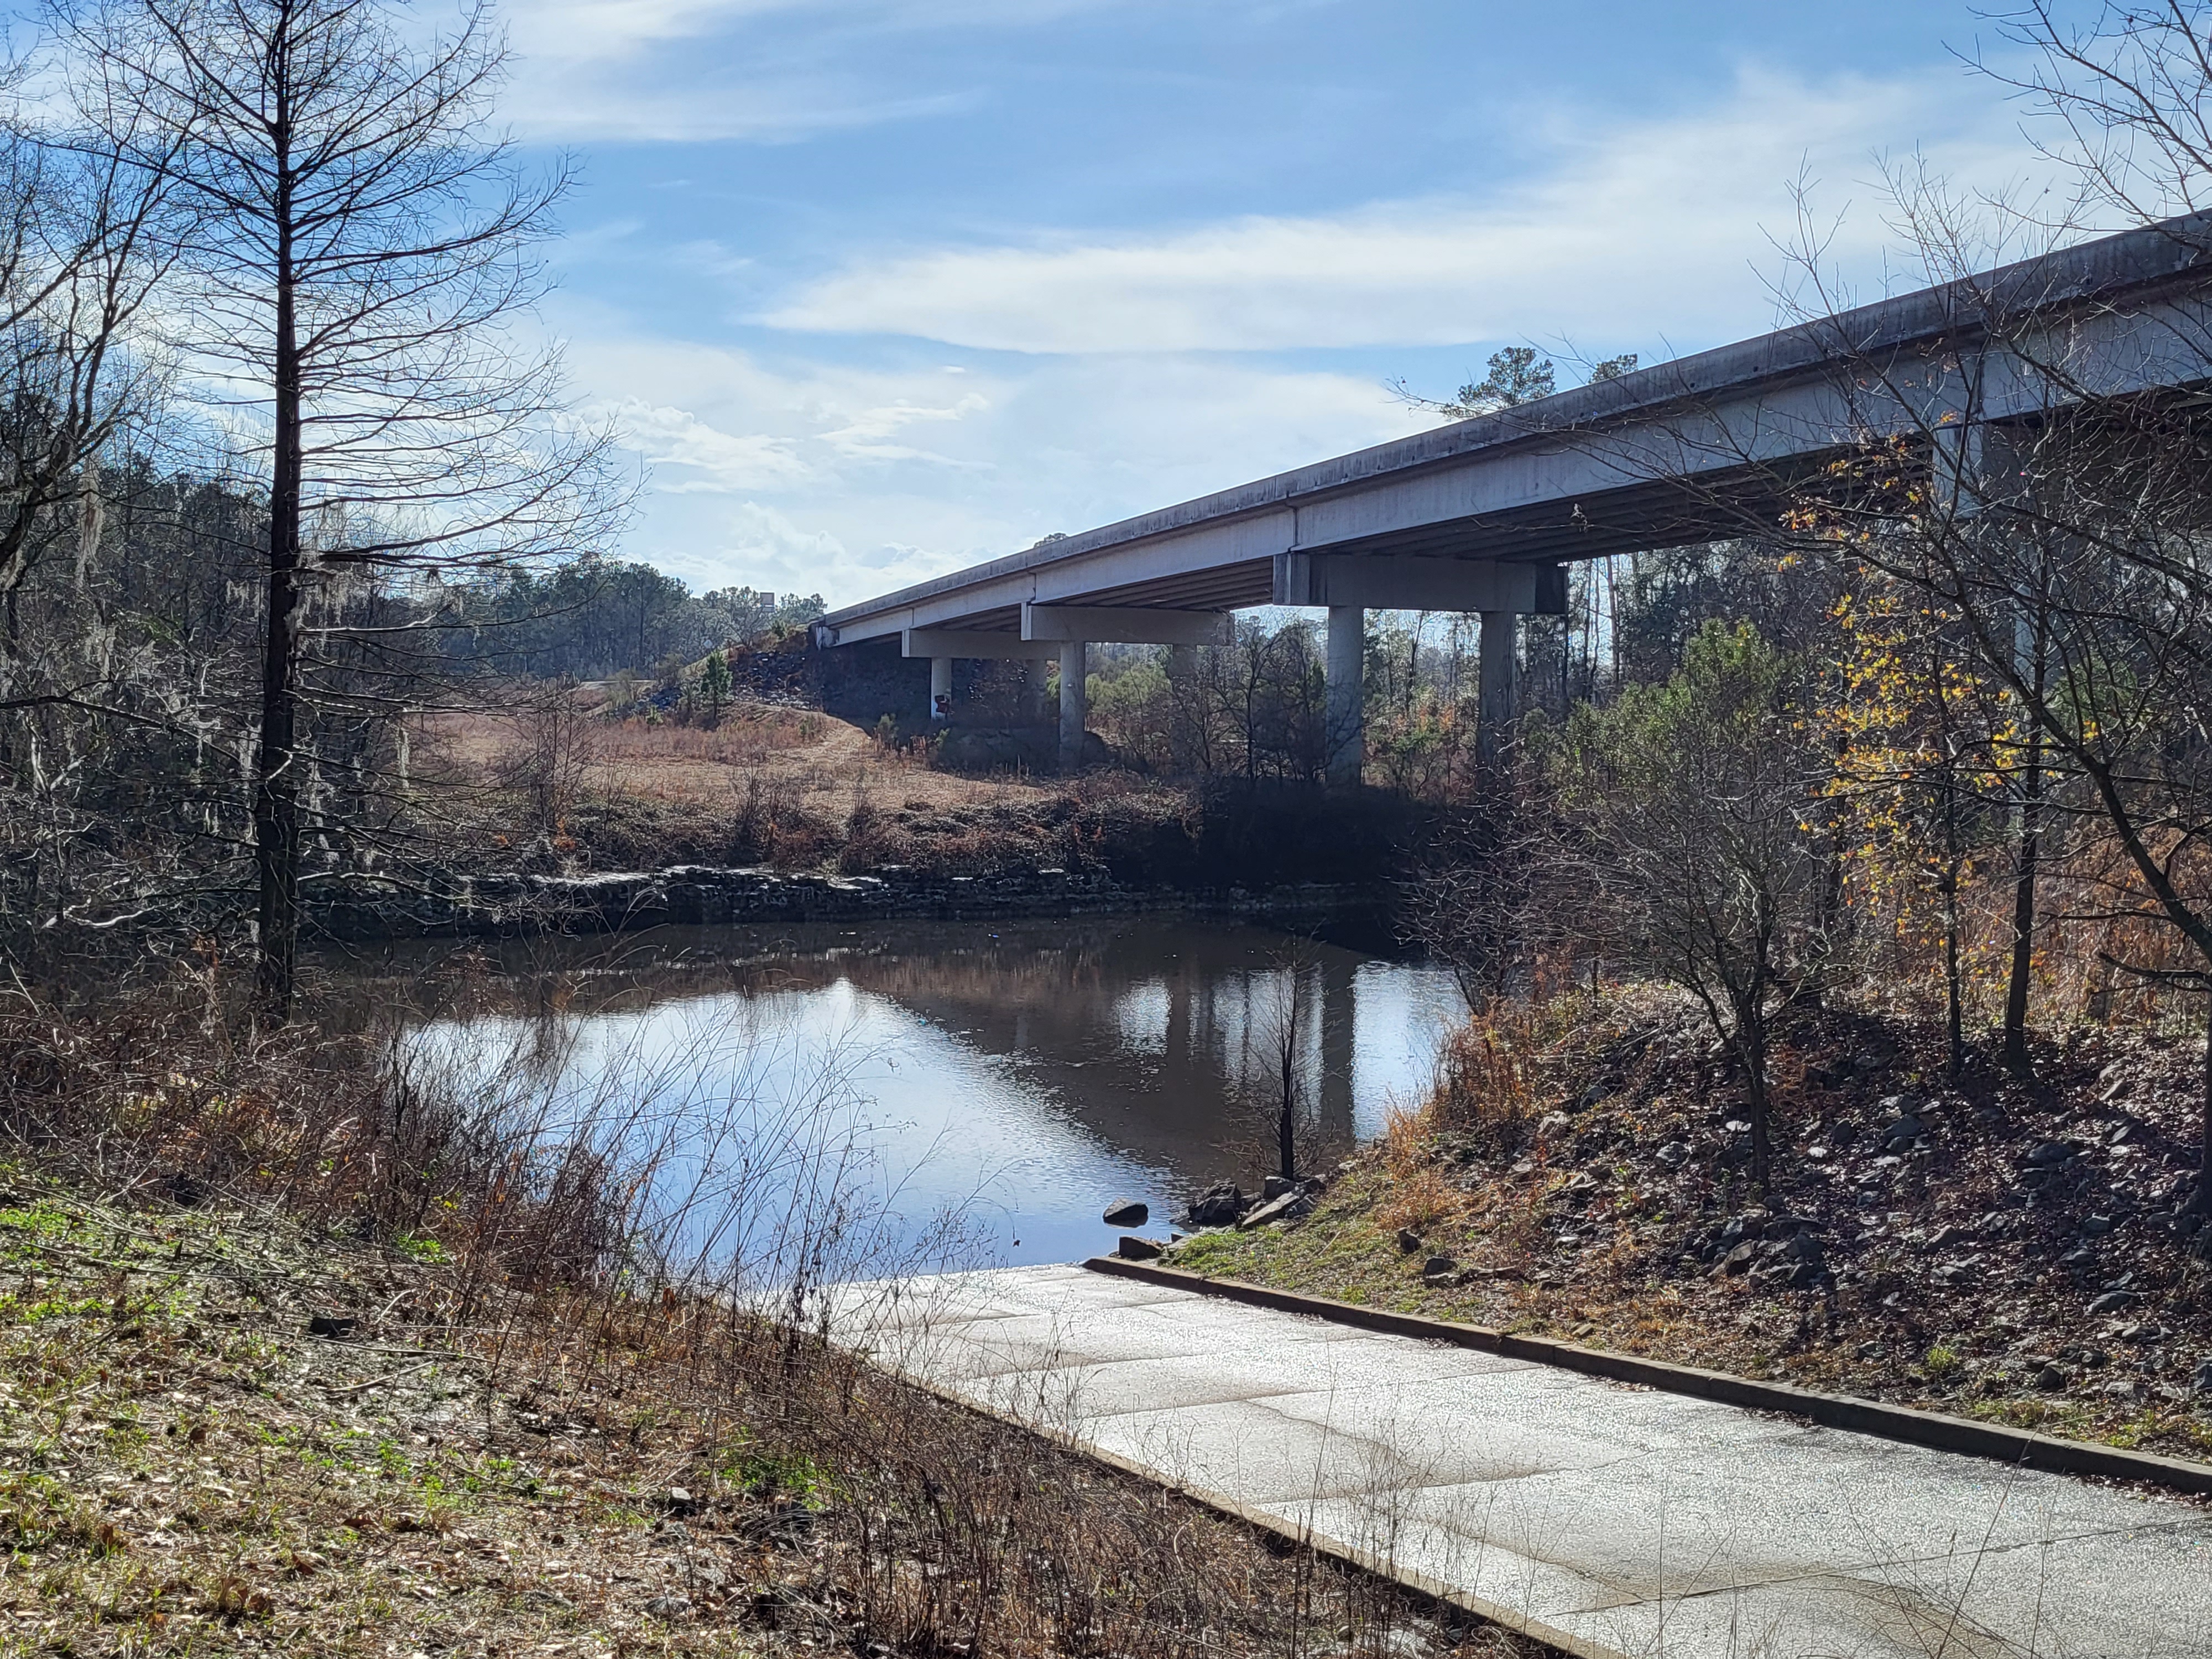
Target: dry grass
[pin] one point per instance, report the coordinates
(791, 788)
(823, 759)
(543, 1411)
(189, 1470)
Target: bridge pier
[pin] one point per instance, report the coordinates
(1345, 709)
(1498, 682)
(940, 688)
(1183, 674)
(1073, 704)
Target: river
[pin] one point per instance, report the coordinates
(1012, 1077)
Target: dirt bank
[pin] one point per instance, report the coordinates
(1977, 1245)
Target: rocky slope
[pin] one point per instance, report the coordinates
(1975, 1244)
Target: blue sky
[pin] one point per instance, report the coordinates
(879, 288)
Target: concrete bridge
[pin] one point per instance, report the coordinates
(1481, 515)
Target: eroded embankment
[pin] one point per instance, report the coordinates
(2020, 1252)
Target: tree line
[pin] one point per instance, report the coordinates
(288, 464)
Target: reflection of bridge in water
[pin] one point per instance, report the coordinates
(1156, 1035)
(1150, 1041)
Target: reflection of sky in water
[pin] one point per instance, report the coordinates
(1026, 1085)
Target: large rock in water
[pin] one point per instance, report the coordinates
(1219, 1205)
(1127, 1212)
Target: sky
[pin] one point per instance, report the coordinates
(877, 288)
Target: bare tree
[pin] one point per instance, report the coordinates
(1687, 804)
(557, 741)
(85, 238)
(359, 276)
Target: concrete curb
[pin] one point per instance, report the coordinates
(2018, 1446)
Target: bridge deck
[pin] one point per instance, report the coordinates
(1679, 453)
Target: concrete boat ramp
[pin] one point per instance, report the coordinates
(1608, 1519)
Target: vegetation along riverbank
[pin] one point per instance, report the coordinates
(1969, 1245)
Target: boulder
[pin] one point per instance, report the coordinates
(1408, 1240)
(2049, 1155)
(1133, 1249)
(1219, 1205)
(1284, 1206)
(1437, 1269)
(337, 1327)
(1126, 1213)
(1739, 1259)
(2112, 1301)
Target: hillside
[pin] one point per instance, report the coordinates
(1977, 1245)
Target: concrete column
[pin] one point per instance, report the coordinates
(940, 688)
(1182, 716)
(1500, 684)
(1072, 704)
(1346, 710)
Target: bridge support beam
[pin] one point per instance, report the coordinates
(1121, 624)
(1402, 581)
(1499, 680)
(940, 688)
(962, 642)
(1074, 703)
(1345, 709)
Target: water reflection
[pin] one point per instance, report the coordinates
(1027, 1072)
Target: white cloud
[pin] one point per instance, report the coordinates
(708, 458)
(866, 434)
(803, 476)
(698, 71)
(855, 468)
(1644, 232)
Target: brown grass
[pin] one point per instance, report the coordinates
(482, 1455)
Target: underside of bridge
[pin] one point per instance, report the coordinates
(1481, 515)
(1499, 567)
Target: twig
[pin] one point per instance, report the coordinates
(378, 1381)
